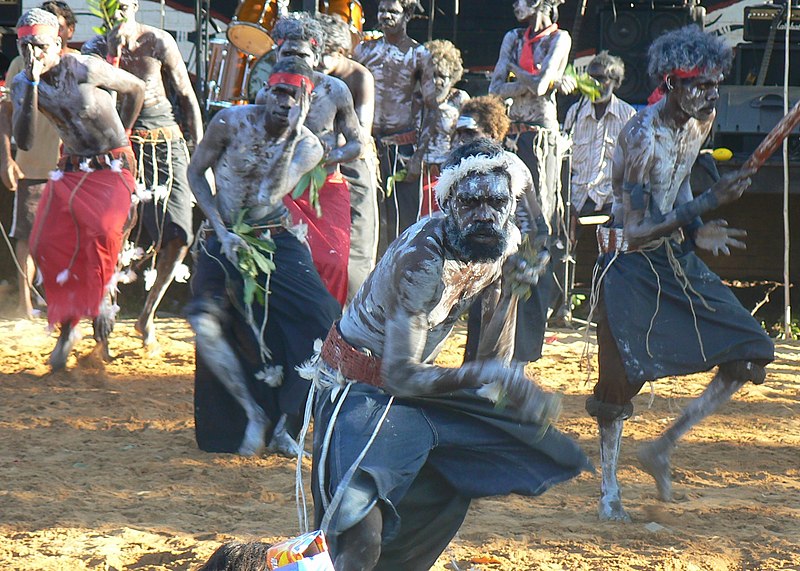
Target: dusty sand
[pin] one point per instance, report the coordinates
(99, 470)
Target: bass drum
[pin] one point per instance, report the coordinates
(228, 72)
(249, 30)
(259, 74)
(350, 11)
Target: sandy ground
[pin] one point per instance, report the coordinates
(99, 470)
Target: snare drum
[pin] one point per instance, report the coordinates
(228, 72)
(249, 30)
(259, 74)
(350, 11)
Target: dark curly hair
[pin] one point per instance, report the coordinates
(62, 9)
(489, 113)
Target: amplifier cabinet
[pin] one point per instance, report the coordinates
(758, 19)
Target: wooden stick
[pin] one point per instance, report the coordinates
(773, 139)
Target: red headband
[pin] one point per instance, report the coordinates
(291, 79)
(37, 30)
(311, 41)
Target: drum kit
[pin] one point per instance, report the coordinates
(239, 65)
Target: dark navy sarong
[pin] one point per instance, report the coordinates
(300, 311)
(676, 319)
(466, 445)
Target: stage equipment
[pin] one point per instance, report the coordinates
(259, 74)
(254, 19)
(749, 58)
(10, 11)
(759, 19)
(228, 73)
(350, 11)
(745, 114)
(628, 30)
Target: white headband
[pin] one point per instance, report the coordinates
(466, 122)
(480, 164)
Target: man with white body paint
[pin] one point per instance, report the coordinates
(332, 118)
(152, 55)
(403, 80)
(247, 389)
(442, 436)
(77, 232)
(530, 71)
(661, 311)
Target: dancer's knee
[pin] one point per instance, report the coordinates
(608, 411)
(743, 371)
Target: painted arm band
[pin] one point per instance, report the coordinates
(637, 191)
(686, 213)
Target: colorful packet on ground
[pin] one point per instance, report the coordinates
(308, 552)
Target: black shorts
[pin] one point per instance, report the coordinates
(26, 201)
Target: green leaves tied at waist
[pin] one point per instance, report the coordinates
(255, 259)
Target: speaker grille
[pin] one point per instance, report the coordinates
(628, 33)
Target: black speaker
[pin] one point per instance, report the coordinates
(10, 11)
(748, 58)
(628, 31)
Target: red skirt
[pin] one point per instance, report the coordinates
(76, 238)
(328, 235)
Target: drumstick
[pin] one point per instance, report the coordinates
(773, 139)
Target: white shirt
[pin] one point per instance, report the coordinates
(593, 142)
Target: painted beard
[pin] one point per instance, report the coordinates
(479, 242)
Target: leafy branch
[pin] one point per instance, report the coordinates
(391, 181)
(313, 180)
(105, 10)
(587, 85)
(255, 259)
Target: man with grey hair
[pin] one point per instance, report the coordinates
(401, 446)
(661, 312)
(77, 233)
(594, 127)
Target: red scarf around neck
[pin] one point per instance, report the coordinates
(526, 59)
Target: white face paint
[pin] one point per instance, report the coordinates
(525, 9)
(301, 49)
(482, 200)
(391, 17)
(697, 96)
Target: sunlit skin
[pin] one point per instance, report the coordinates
(257, 154)
(73, 91)
(533, 94)
(398, 63)
(332, 114)
(656, 151)
(10, 173)
(409, 304)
